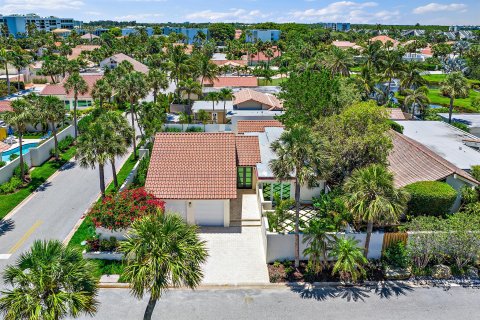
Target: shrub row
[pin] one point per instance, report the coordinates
(432, 198)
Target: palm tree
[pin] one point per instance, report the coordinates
(372, 197)
(19, 60)
(350, 259)
(122, 136)
(93, 148)
(225, 94)
(184, 118)
(319, 237)
(179, 64)
(338, 61)
(77, 85)
(294, 152)
(52, 110)
(411, 77)
(417, 98)
(21, 115)
(190, 86)
(206, 69)
(454, 86)
(151, 117)
(5, 59)
(157, 80)
(102, 91)
(50, 281)
(391, 66)
(132, 88)
(162, 251)
(203, 117)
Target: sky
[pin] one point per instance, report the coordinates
(425, 12)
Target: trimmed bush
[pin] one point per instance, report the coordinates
(172, 129)
(461, 126)
(65, 143)
(476, 172)
(17, 170)
(194, 129)
(430, 198)
(2, 163)
(396, 126)
(11, 186)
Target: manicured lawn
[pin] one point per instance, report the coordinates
(436, 79)
(466, 104)
(38, 175)
(274, 82)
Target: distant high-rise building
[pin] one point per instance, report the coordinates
(190, 34)
(18, 24)
(262, 35)
(337, 26)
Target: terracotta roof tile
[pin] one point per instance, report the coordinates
(4, 146)
(79, 49)
(267, 99)
(232, 82)
(193, 166)
(5, 105)
(229, 62)
(59, 90)
(384, 39)
(137, 65)
(396, 114)
(411, 162)
(248, 150)
(244, 126)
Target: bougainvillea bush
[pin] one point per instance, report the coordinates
(119, 211)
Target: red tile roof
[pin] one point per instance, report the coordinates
(59, 90)
(232, 82)
(3, 147)
(411, 162)
(260, 56)
(267, 99)
(79, 49)
(396, 114)
(5, 105)
(385, 39)
(193, 166)
(238, 34)
(248, 150)
(229, 62)
(244, 126)
(345, 44)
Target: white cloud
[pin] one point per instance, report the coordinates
(227, 16)
(348, 11)
(438, 7)
(15, 6)
(140, 17)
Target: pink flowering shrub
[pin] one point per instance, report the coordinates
(119, 211)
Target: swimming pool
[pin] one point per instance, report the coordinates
(25, 148)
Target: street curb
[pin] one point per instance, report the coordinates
(24, 201)
(284, 285)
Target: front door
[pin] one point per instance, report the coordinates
(244, 177)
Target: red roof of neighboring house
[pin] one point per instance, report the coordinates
(79, 49)
(193, 166)
(427, 51)
(385, 39)
(59, 90)
(233, 82)
(137, 65)
(244, 126)
(345, 44)
(396, 114)
(411, 162)
(229, 62)
(248, 150)
(264, 98)
(260, 56)
(5, 105)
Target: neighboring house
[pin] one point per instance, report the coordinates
(346, 45)
(396, 114)
(79, 49)
(337, 26)
(450, 35)
(232, 63)
(113, 61)
(413, 33)
(384, 39)
(232, 82)
(450, 143)
(84, 100)
(256, 35)
(260, 57)
(414, 57)
(246, 126)
(129, 31)
(411, 161)
(244, 100)
(89, 37)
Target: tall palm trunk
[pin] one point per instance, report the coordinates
(101, 171)
(22, 169)
(75, 100)
(450, 110)
(18, 80)
(114, 173)
(133, 127)
(54, 130)
(154, 96)
(369, 235)
(8, 78)
(297, 221)
(149, 311)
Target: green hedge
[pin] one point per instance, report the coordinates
(430, 198)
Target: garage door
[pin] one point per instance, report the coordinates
(209, 212)
(177, 206)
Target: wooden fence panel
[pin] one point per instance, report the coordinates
(392, 238)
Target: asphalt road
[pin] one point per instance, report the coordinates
(393, 303)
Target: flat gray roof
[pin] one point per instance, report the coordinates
(445, 140)
(208, 106)
(470, 119)
(265, 139)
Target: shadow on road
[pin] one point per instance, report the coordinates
(6, 226)
(67, 166)
(44, 186)
(384, 290)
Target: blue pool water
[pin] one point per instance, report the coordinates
(25, 148)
